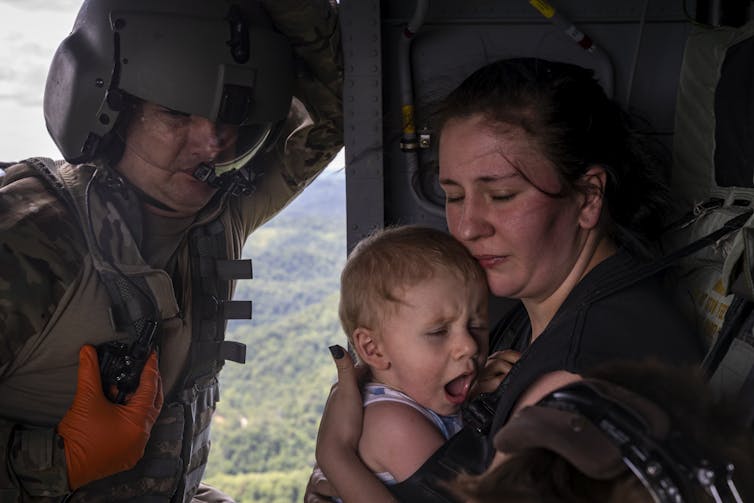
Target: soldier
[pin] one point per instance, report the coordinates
(185, 124)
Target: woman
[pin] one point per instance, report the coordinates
(556, 198)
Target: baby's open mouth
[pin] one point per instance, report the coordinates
(458, 389)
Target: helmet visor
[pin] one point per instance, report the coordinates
(168, 139)
(248, 142)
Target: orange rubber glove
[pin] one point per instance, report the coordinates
(100, 437)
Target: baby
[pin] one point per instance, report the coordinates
(414, 307)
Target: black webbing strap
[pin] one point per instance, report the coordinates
(740, 309)
(211, 273)
(633, 276)
(737, 325)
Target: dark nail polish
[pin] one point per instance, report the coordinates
(336, 352)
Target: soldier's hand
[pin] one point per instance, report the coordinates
(100, 437)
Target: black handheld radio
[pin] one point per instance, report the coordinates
(121, 363)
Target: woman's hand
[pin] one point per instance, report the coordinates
(341, 423)
(339, 427)
(338, 443)
(495, 369)
(319, 489)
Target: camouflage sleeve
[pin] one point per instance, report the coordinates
(39, 257)
(313, 133)
(33, 463)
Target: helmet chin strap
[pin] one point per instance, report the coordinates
(205, 172)
(236, 182)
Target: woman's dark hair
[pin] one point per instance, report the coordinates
(566, 111)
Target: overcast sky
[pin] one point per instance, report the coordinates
(31, 31)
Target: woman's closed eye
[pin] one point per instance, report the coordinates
(453, 198)
(502, 196)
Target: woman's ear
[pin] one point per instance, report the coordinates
(367, 345)
(595, 181)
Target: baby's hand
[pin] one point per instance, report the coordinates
(495, 369)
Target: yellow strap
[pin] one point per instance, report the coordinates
(543, 7)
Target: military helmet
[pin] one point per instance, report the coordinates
(218, 59)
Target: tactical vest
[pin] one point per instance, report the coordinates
(109, 214)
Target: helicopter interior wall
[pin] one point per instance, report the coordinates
(458, 37)
(443, 55)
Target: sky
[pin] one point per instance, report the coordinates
(31, 31)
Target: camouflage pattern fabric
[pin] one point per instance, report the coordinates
(313, 29)
(42, 248)
(38, 460)
(40, 254)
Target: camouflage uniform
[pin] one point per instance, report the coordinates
(52, 301)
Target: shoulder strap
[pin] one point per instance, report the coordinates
(729, 364)
(509, 333)
(630, 277)
(63, 178)
(739, 310)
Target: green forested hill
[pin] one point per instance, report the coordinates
(264, 429)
